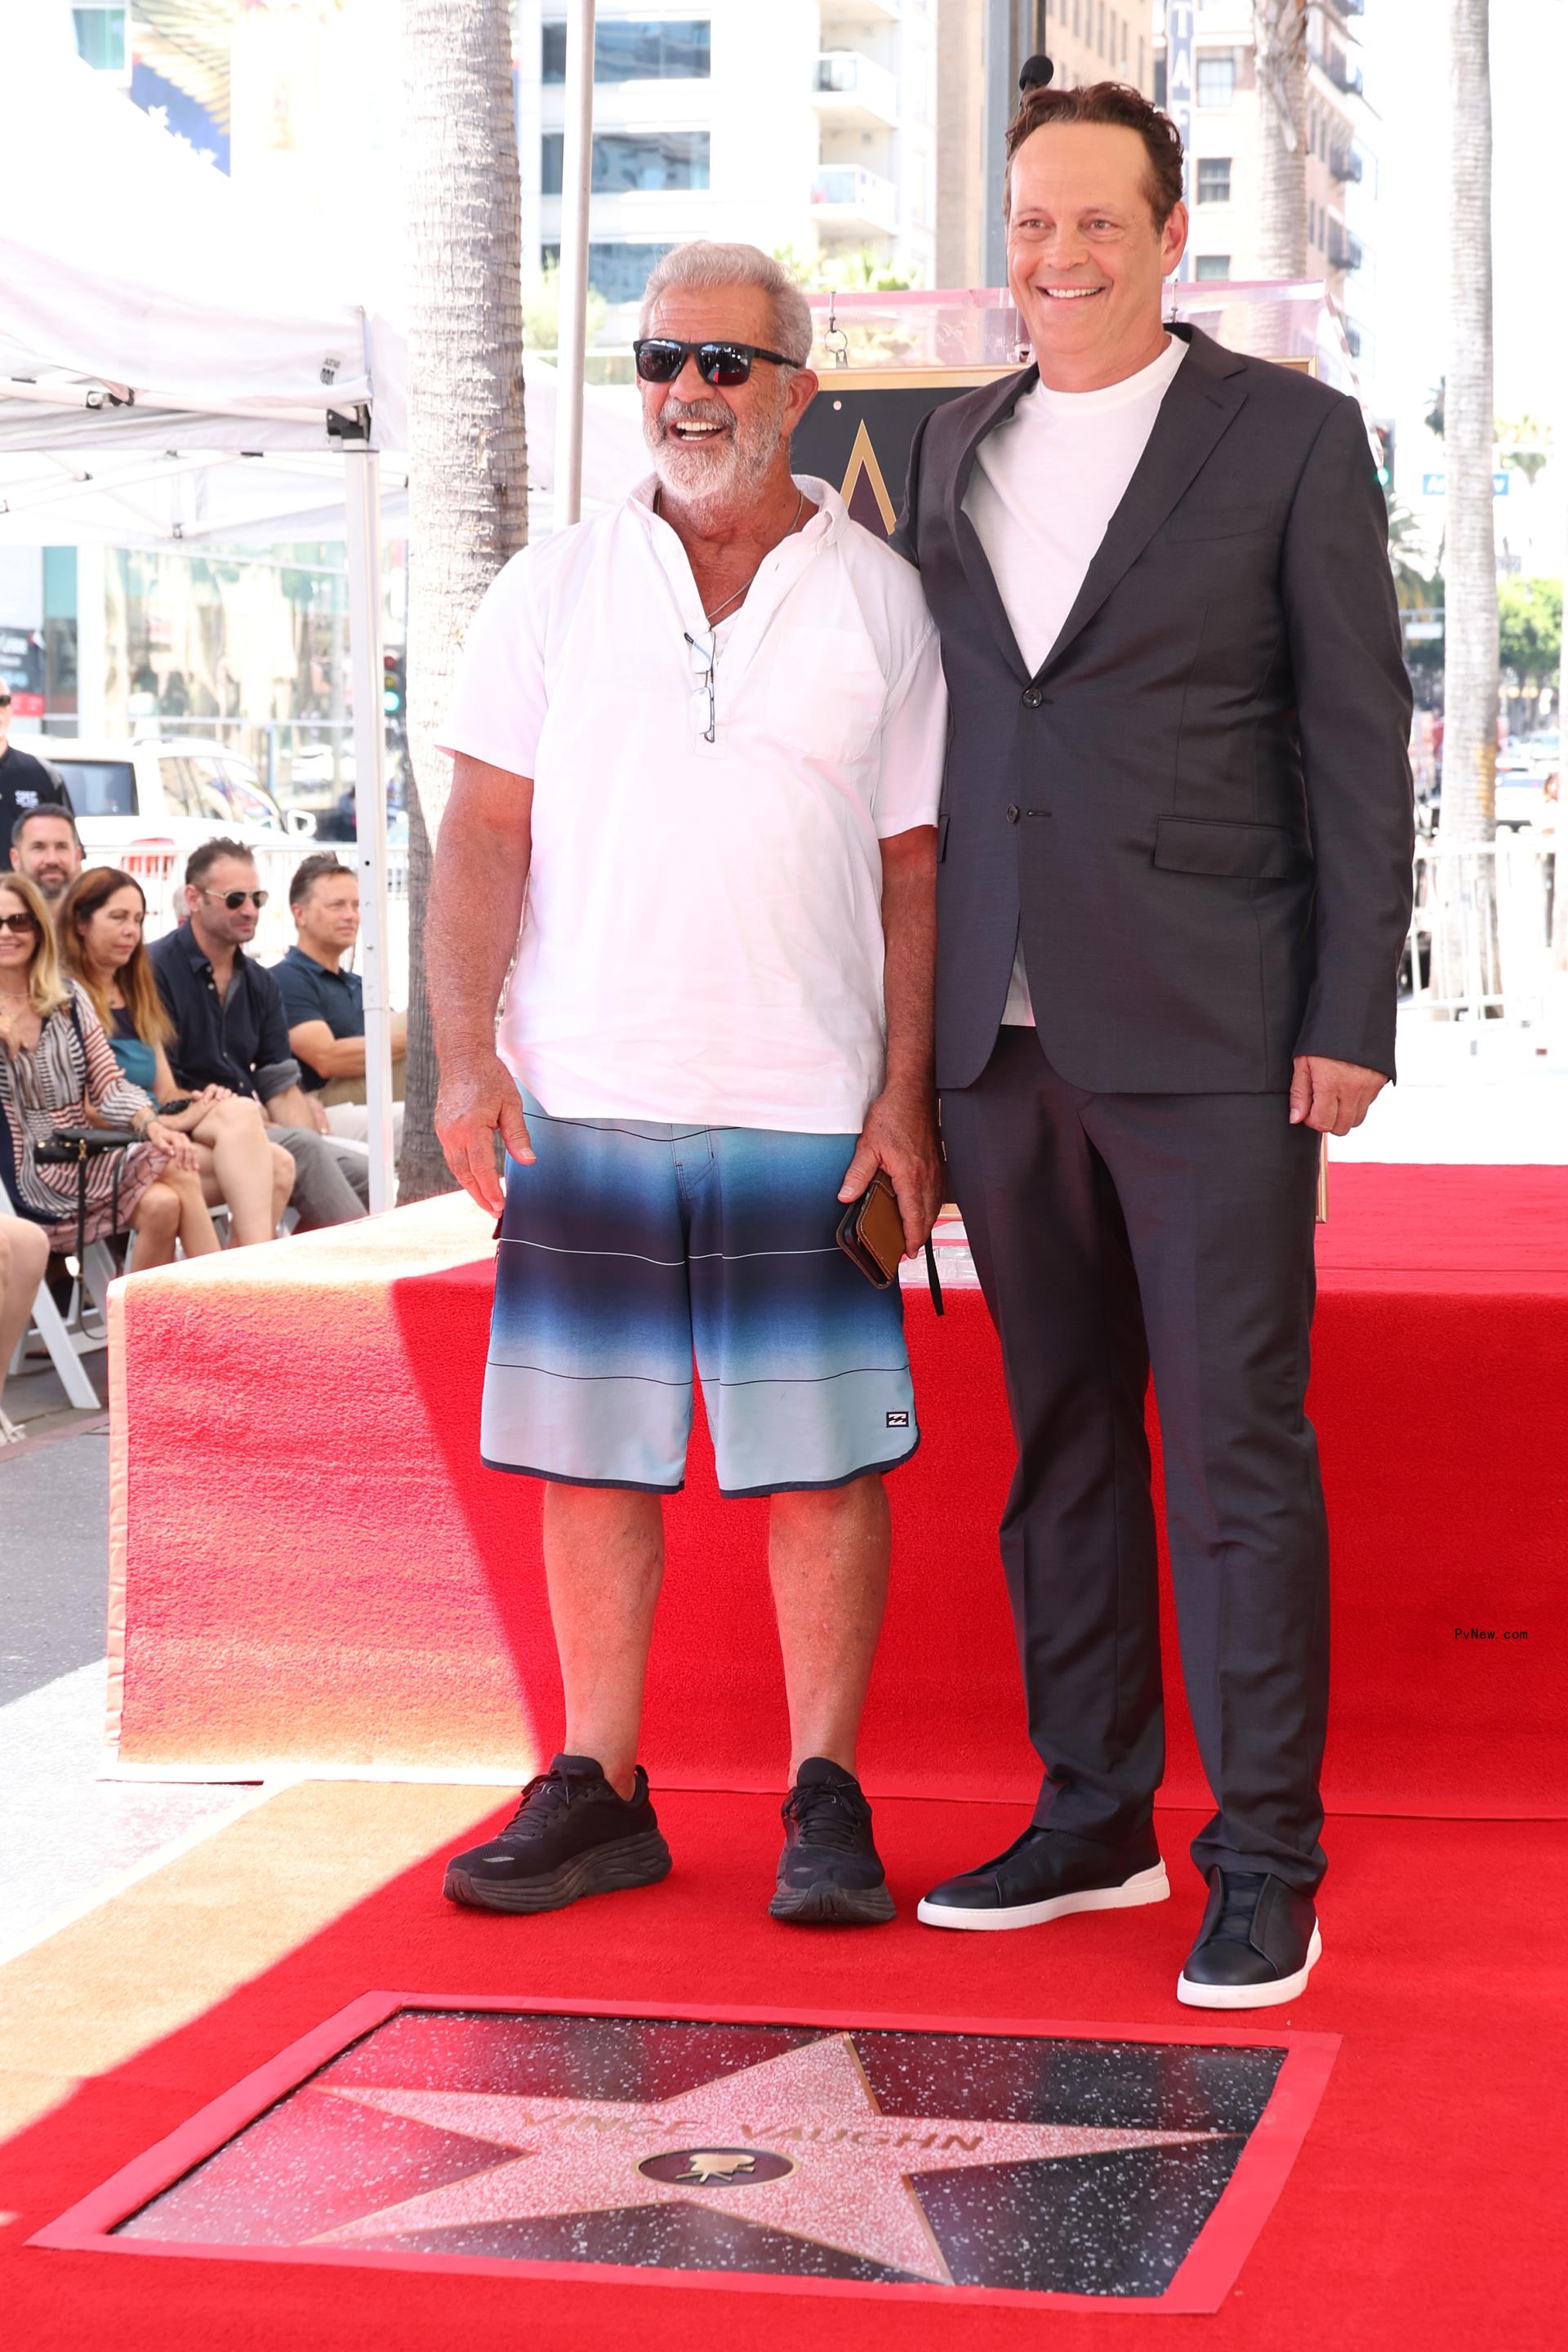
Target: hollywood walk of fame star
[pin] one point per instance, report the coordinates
(846, 2187)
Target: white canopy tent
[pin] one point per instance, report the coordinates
(174, 369)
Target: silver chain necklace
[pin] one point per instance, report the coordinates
(720, 610)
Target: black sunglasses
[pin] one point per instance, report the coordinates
(660, 359)
(5, 702)
(235, 899)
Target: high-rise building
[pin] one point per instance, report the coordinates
(981, 45)
(807, 127)
(1227, 126)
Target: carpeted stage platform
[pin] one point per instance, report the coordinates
(352, 1591)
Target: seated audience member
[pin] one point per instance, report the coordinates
(24, 1260)
(99, 921)
(230, 1029)
(325, 1004)
(56, 1071)
(46, 848)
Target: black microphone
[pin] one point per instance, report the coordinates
(1038, 73)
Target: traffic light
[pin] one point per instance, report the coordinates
(392, 688)
(1383, 445)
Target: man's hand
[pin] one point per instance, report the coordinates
(478, 1097)
(1332, 1097)
(900, 1136)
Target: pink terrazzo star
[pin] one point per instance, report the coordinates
(846, 2185)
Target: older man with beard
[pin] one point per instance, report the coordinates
(698, 744)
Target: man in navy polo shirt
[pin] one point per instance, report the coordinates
(325, 1004)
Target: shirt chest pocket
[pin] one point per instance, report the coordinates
(824, 696)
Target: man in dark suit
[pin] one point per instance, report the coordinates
(1175, 880)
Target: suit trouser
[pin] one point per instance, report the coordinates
(331, 1184)
(1112, 1232)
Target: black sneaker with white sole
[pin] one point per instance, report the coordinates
(1258, 1945)
(1047, 1875)
(571, 1835)
(829, 1872)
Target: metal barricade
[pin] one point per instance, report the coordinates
(1481, 931)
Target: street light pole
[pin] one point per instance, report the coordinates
(570, 338)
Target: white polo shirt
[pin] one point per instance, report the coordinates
(702, 935)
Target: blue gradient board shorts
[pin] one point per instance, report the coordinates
(626, 1248)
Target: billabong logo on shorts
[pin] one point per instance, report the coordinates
(898, 1421)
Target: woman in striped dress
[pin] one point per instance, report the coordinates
(56, 1070)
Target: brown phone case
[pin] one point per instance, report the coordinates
(871, 1233)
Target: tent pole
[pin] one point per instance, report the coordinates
(577, 176)
(362, 500)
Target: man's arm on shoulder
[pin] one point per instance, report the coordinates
(482, 855)
(1354, 705)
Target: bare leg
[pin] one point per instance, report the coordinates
(242, 1165)
(197, 1235)
(155, 1222)
(827, 1556)
(24, 1260)
(604, 1558)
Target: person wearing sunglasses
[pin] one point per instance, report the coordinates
(56, 1071)
(26, 782)
(231, 1031)
(698, 746)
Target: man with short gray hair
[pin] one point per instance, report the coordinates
(698, 744)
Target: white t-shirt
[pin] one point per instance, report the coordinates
(702, 935)
(1046, 483)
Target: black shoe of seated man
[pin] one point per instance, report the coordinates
(1257, 1947)
(829, 1873)
(1045, 1875)
(571, 1835)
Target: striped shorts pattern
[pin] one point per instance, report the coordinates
(627, 1249)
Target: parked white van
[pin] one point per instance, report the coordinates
(166, 795)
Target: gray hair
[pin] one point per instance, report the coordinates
(704, 263)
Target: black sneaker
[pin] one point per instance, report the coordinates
(829, 1870)
(571, 1835)
(1258, 1945)
(1047, 1874)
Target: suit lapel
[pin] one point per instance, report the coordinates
(1002, 400)
(1203, 397)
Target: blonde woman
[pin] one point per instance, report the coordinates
(56, 1071)
(99, 922)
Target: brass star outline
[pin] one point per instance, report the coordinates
(850, 2190)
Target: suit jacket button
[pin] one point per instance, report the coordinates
(1033, 698)
(1012, 814)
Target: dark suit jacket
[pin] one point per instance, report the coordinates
(1199, 809)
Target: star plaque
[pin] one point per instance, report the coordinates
(1050, 2165)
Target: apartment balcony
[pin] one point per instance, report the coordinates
(1346, 164)
(854, 203)
(1345, 250)
(854, 93)
(1343, 74)
(1346, 7)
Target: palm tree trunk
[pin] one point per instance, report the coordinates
(1279, 33)
(1465, 938)
(467, 498)
(1470, 700)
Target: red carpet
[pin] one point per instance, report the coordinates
(360, 1593)
(1425, 2209)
